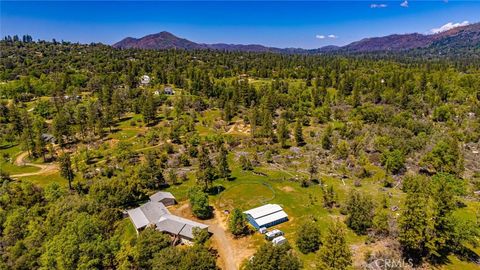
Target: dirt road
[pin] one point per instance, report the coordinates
(231, 251)
(44, 168)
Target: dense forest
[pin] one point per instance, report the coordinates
(380, 152)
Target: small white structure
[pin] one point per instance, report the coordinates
(273, 234)
(262, 230)
(266, 216)
(145, 79)
(279, 241)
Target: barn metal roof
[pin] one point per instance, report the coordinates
(264, 210)
(271, 218)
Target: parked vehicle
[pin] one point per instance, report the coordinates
(279, 241)
(271, 235)
(262, 230)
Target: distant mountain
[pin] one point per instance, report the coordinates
(461, 36)
(160, 41)
(465, 37)
(166, 40)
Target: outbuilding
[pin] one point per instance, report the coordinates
(266, 216)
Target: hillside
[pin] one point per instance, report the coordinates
(461, 38)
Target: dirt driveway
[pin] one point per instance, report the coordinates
(44, 168)
(232, 252)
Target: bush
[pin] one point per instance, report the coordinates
(394, 161)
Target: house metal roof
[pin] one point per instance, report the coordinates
(155, 212)
(178, 225)
(161, 195)
(148, 213)
(138, 217)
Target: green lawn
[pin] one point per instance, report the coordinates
(44, 180)
(7, 166)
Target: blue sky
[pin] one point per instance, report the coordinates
(279, 24)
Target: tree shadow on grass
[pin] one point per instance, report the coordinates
(466, 254)
(215, 190)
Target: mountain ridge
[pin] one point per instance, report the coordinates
(463, 36)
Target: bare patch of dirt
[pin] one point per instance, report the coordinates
(239, 128)
(288, 189)
(232, 251)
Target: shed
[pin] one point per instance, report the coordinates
(164, 197)
(266, 216)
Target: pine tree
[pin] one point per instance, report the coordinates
(326, 138)
(267, 125)
(282, 133)
(66, 170)
(416, 222)
(308, 237)
(312, 167)
(237, 222)
(335, 253)
(206, 172)
(222, 163)
(149, 108)
(329, 197)
(360, 209)
(299, 133)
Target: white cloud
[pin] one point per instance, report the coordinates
(378, 6)
(324, 36)
(448, 26)
(404, 4)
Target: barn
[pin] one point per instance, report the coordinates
(266, 216)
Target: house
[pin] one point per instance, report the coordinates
(168, 90)
(266, 216)
(164, 197)
(155, 213)
(145, 79)
(178, 226)
(147, 214)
